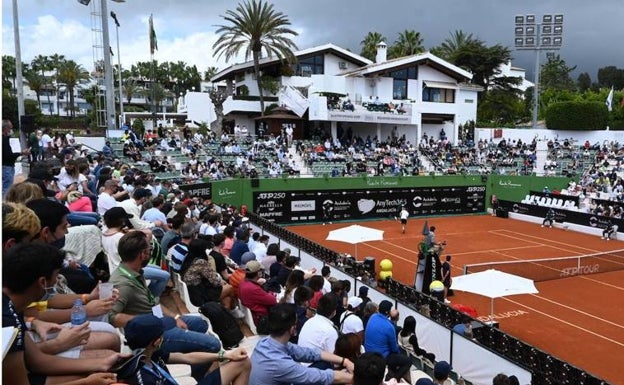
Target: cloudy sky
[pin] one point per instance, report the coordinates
(593, 30)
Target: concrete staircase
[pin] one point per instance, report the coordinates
(304, 171)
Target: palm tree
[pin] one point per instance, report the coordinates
(43, 63)
(131, 88)
(217, 97)
(450, 46)
(369, 45)
(57, 61)
(36, 82)
(255, 26)
(8, 72)
(209, 73)
(409, 43)
(71, 74)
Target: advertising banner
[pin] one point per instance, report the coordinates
(561, 215)
(200, 190)
(306, 206)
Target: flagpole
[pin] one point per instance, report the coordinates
(152, 70)
(153, 47)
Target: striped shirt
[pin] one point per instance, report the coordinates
(177, 255)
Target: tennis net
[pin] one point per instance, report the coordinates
(547, 269)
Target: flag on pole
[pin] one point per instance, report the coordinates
(609, 101)
(152, 36)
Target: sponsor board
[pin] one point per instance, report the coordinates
(294, 206)
(561, 215)
(307, 205)
(200, 190)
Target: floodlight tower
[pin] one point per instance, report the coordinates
(102, 57)
(531, 35)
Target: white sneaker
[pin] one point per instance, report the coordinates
(446, 301)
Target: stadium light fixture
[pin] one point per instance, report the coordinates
(529, 34)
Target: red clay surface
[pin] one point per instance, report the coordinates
(577, 319)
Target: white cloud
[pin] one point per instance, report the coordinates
(185, 28)
(48, 35)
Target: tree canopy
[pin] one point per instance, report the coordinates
(369, 45)
(555, 74)
(255, 27)
(408, 43)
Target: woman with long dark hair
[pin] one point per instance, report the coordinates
(295, 279)
(199, 273)
(409, 341)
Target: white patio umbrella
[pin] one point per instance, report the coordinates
(355, 234)
(494, 284)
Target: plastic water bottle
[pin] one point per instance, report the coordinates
(78, 313)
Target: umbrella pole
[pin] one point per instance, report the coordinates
(356, 251)
(491, 311)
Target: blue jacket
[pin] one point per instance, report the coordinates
(380, 335)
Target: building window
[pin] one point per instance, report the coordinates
(438, 95)
(399, 84)
(308, 66)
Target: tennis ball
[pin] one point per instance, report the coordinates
(436, 285)
(386, 265)
(384, 274)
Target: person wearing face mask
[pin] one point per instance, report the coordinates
(33, 266)
(8, 156)
(184, 333)
(70, 175)
(54, 224)
(20, 224)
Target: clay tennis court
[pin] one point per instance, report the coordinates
(578, 319)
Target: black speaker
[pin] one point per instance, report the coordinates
(255, 182)
(27, 123)
(484, 178)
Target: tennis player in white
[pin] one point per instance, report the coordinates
(403, 215)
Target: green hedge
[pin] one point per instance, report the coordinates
(577, 115)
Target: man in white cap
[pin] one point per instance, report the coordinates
(350, 321)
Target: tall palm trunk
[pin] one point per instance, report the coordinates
(256, 60)
(71, 103)
(58, 102)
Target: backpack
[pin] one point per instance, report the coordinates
(223, 323)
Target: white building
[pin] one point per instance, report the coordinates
(509, 70)
(419, 94)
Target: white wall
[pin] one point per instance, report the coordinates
(527, 135)
(466, 111)
(199, 107)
